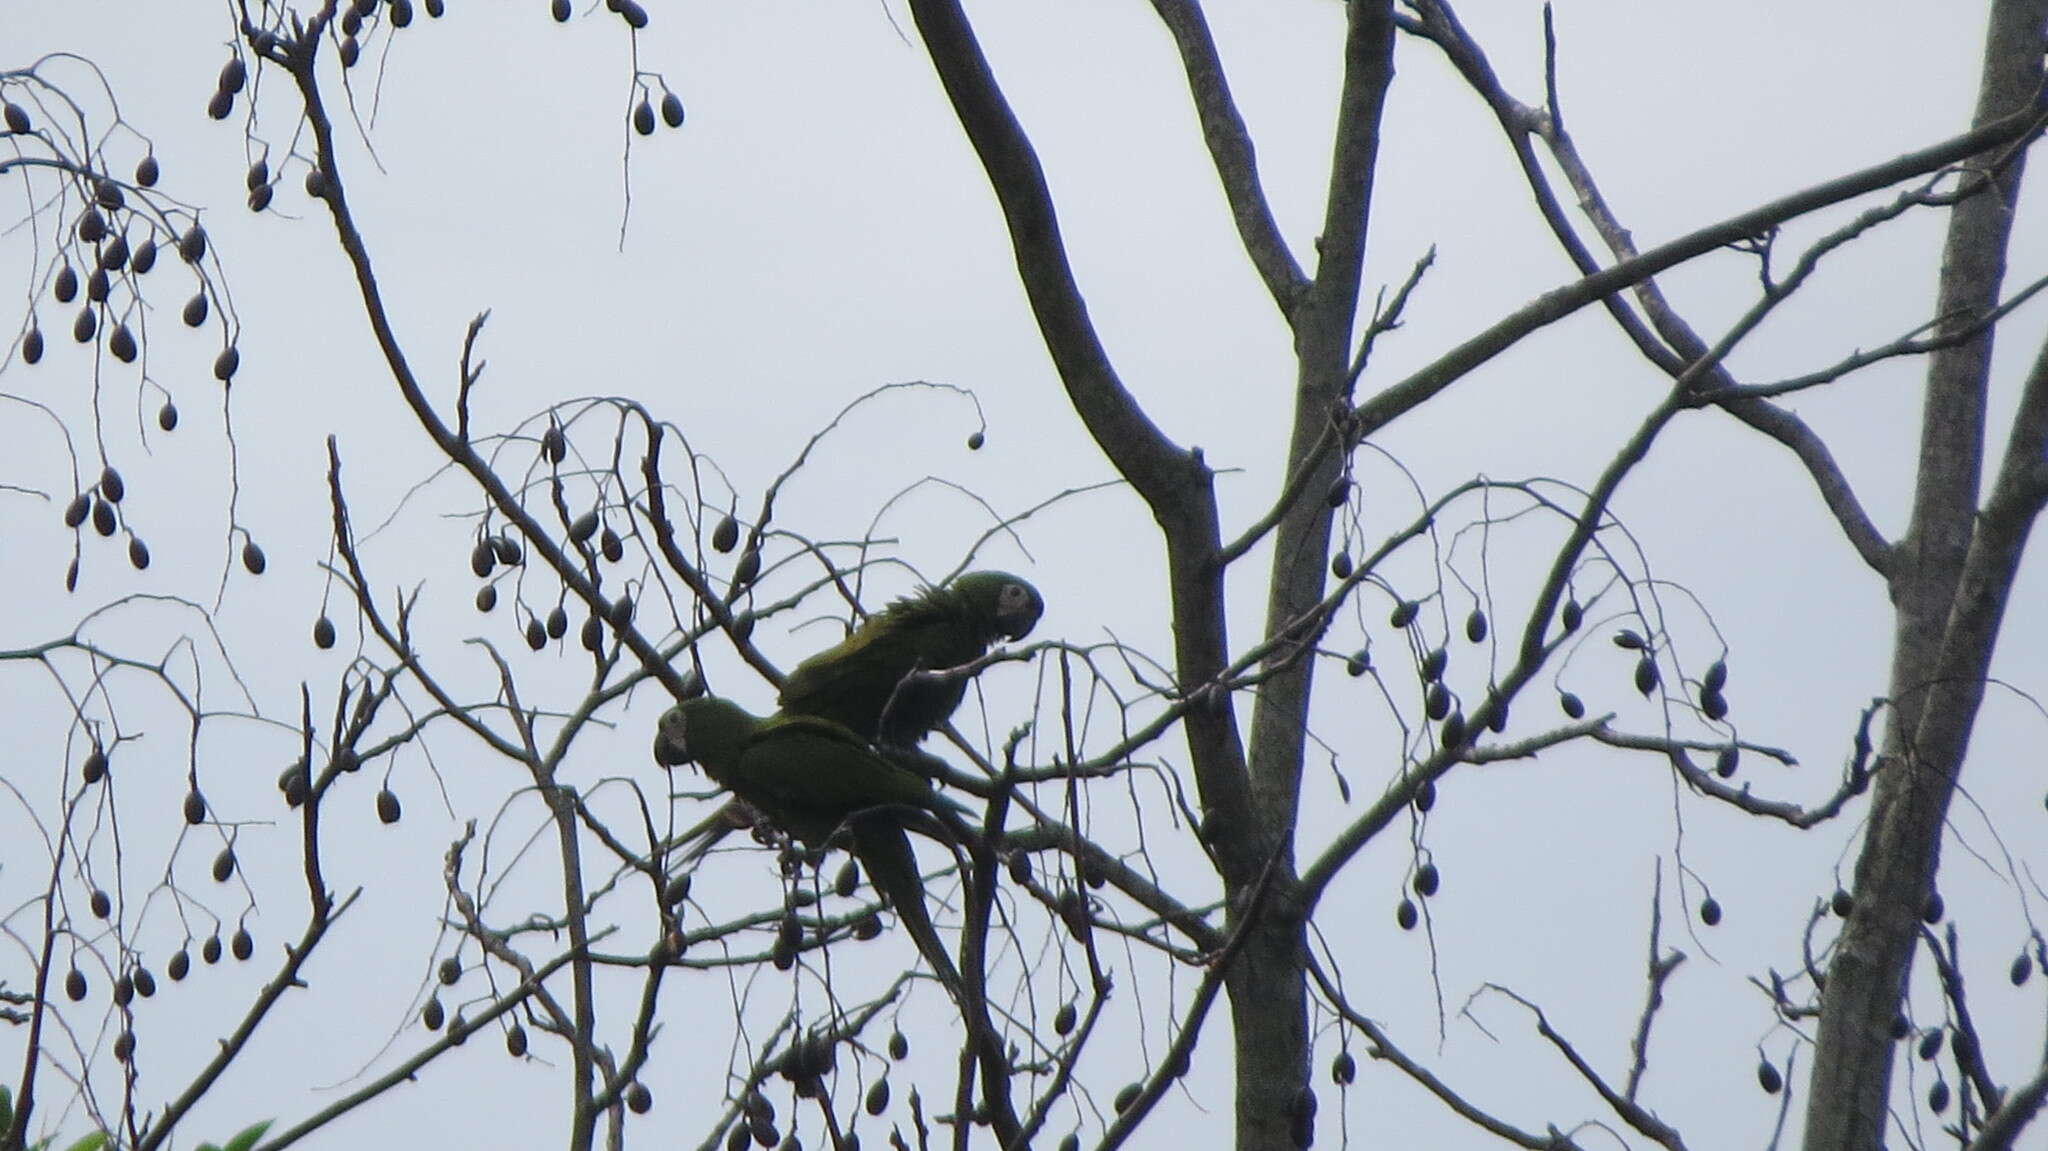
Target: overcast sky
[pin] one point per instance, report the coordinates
(819, 227)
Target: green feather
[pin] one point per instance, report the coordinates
(811, 777)
(853, 682)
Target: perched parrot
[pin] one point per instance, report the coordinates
(852, 683)
(811, 776)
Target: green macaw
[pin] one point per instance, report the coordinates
(811, 777)
(854, 682)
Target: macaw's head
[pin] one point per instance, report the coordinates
(706, 731)
(1010, 604)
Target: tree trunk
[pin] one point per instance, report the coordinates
(1949, 591)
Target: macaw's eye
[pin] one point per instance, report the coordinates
(1014, 596)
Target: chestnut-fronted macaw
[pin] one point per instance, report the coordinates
(864, 682)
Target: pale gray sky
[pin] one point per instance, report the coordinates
(819, 227)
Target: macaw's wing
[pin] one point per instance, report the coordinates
(806, 763)
(885, 852)
(853, 682)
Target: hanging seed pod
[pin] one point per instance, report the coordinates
(482, 558)
(1425, 796)
(1475, 626)
(1627, 640)
(433, 1014)
(65, 286)
(107, 194)
(351, 22)
(32, 346)
(1071, 1141)
(1716, 677)
(323, 633)
(225, 364)
(1128, 1096)
(243, 945)
(71, 575)
(1713, 704)
(878, 1097)
(85, 325)
(560, 10)
(259, 197)
(180, 965)
(1930, 1044)
(1436, 703)
(103, 517)
(224, 865)
(486, 597)
(387, 806)
(1842, 903)
(450, 972)
(1020, 868)
(677, 891)
(620, 613)
(1767, 1077)
(316, 183)
(536, 635)
(639, 1100)
(221, 106)
(1426, 880)
(726, 536)
(1406, 915)
(1573, 706)
(1937, 1096)
(610, 546)
(1343, 1069)
(195, 807)
(2022, 969)
(76, 511)
(145, 256)
(17, 118)
(195, 310)
(98, 286)
(124, 990)
(210, 950)
(636, 16)
(553, 446)
(145, 983)
(1340, 565)
(435, 9)
(1646, 675)
(232, 75)
(672, 115)
(167, 416)
(593, 635)
(92, 227)
(401, 13)
(122, 343)
(124, 1045)
(583, 527)
(1496, 714)
(94, 768)
(506, 549)
(1063, 1020)
(1726, 760)
(515, 1042)
(1359, 663)
(1404, 613)
(102, 904)
(643, 118)
(558, 622)
(350, 51)
(847, 880)
(147, 171)
(1434, 664)
(192, 245)
(114, 256)
(748, 569)
(253, 559)
(1710, 911)
(1932, 910)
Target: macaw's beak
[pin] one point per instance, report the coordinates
(1018, 621)
(670, 748)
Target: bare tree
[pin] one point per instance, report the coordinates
(1144, 853)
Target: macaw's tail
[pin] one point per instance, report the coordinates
(884, 850)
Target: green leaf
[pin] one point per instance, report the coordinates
(246, 1138)
(209, 1147)
(92, 1142)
